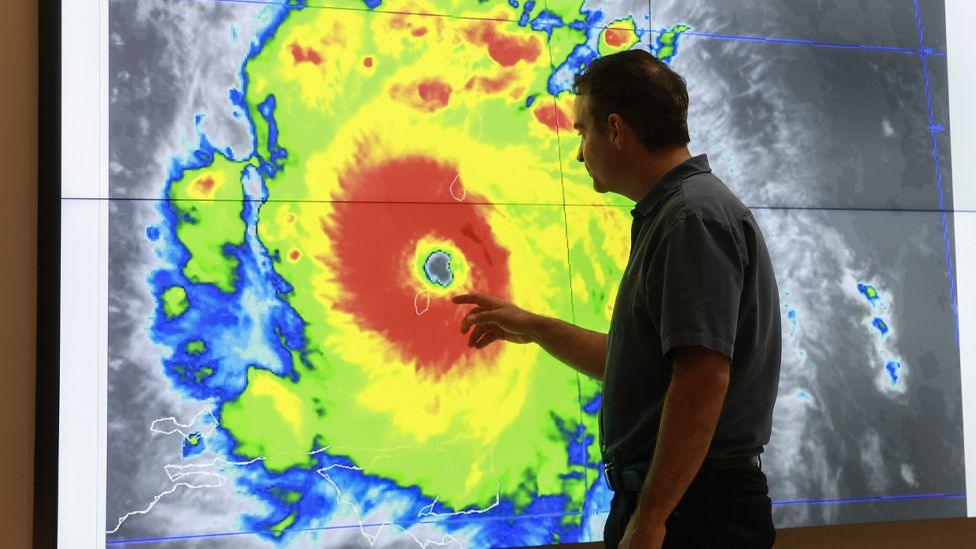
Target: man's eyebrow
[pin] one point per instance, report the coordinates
(577, 126)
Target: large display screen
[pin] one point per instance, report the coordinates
(267, 205)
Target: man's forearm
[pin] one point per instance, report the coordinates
(691, 411)
(583, 350)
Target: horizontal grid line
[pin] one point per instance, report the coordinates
(368, 10)
(869, 499)
(803, 42)
(714, 36)
(461, 520)
(68, 199)
(410, 13)
(859, 209)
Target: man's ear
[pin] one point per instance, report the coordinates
(616, 126)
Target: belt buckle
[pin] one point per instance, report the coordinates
(608, 471)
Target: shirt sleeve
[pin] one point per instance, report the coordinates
(694, 284)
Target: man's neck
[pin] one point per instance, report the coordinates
(650, 167)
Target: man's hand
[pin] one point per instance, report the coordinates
(642, 534)
(494, 319)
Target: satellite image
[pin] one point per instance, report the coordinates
(297, 189)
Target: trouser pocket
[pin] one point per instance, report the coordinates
(741, 513)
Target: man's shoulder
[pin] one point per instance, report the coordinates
(704, 196)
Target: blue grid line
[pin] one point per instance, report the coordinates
(934, 131)
(813, 43)
(872, 499)
(868, 499)
(142, 541)
(760, 39)
(918, 23)
(462, 520)
(364, 9)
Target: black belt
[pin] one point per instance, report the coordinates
(630, 479)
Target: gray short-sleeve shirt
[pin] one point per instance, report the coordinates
(698, 274)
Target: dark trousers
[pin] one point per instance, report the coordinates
(727, 509)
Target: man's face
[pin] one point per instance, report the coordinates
(596, 149)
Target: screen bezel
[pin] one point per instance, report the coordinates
(47, 381)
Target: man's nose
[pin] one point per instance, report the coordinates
(579, 153)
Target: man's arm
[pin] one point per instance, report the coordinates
(699, 381)
(493, 319)
(582, 350)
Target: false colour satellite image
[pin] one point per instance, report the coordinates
(297, 189)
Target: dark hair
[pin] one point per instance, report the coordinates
(643, 90)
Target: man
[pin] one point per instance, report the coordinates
(690, 366)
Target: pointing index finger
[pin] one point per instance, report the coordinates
(473, 298)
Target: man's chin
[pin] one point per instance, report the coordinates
(598, 187)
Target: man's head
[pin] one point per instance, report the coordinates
(628, 105)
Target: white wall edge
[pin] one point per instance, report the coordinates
(961, 47)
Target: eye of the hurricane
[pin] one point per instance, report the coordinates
(437, 268)
(401, 246)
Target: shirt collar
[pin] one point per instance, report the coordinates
(693, 166)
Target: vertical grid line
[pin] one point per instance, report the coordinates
(581, 436)
(933, 135)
